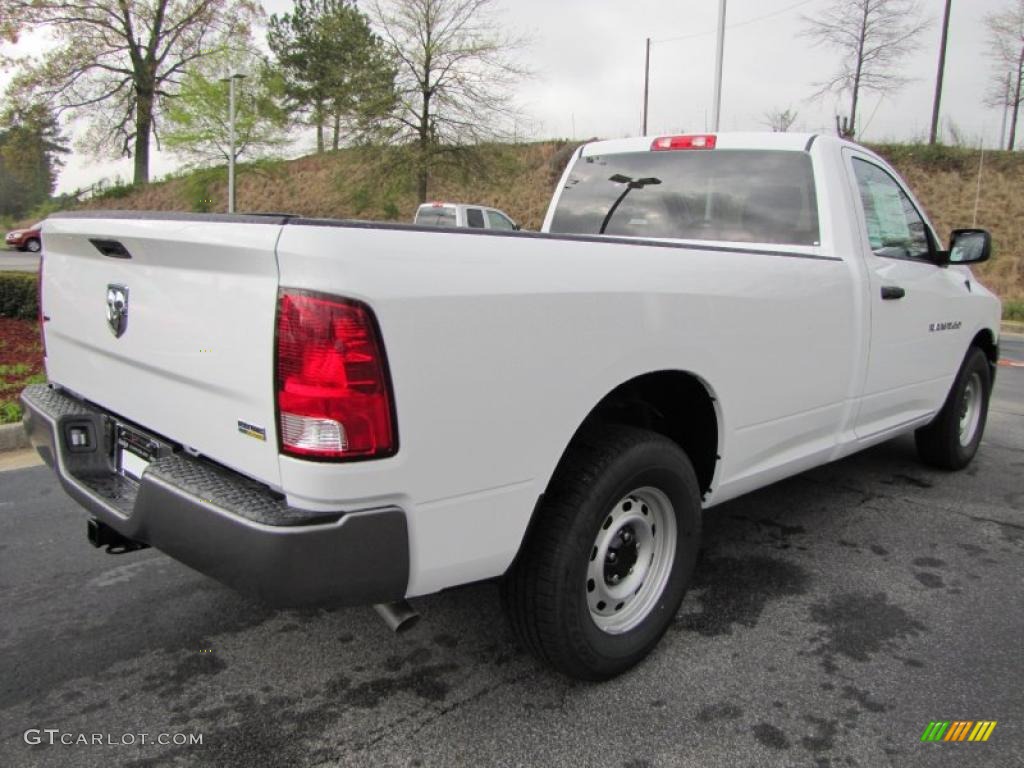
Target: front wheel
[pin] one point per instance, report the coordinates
(952, 439)
(33, 246)
(610, 555)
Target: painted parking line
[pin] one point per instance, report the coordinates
(1011, 363)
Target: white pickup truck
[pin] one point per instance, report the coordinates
(463, 215)
(355, 413)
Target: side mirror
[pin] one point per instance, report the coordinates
(968, 246)
(516, 227)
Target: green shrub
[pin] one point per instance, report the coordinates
(10, 413)
(199, 189)
(1013, 310)
(116, 191)
(360, 200)
(48, 206)
(19, 295)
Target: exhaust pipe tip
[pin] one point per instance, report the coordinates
(399, 615)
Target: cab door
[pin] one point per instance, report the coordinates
(917, 340)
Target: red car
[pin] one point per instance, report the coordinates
(26, 239)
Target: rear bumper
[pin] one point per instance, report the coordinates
(221, 523)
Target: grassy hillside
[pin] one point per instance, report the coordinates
(945, 179)
(363, 183)
(372, 184)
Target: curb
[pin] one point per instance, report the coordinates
(1012, 326)
(13, 437)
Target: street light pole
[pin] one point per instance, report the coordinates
(647, 83)
(716, 114)
(231, 157)
(230, 79)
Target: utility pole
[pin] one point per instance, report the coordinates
(647, 85)
(1016, 102)
(938, 77)
(717, 113)
(1006, 112)
(230, 80)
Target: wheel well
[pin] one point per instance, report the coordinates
(673, 403)
(987, 344)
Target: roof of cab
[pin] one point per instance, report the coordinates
(796, 142)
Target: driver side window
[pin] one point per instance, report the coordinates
(895, 228)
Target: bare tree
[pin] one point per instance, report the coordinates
(455, 74)
(116, 62)
(780, 120)
(872, 37)
(1006, 49)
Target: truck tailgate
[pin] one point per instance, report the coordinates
(194, 358)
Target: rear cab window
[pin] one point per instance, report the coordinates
(725, 195)
(436, 216)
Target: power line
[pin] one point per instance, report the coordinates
(743, 23)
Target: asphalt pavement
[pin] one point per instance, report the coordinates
(18, 261)
(834, 615)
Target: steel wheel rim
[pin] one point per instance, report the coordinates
(631, 560)
(970, 410)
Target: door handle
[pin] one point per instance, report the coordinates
(892, 292)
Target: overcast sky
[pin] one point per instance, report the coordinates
(588, 58)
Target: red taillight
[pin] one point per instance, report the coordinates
(333, 391)
(39, 301)
(695, 141)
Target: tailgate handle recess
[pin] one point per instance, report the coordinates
(111, 248)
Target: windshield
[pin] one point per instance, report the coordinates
(749, 196)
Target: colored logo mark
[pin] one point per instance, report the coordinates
(958, 730)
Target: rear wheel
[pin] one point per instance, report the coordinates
(952, 439)
(610, 555)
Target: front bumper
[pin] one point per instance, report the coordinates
(220, 522)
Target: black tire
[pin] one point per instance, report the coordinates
(940, 444)
(545, 593)
(33, 245)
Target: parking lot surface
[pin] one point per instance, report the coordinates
(18, 261)
(834, 615)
